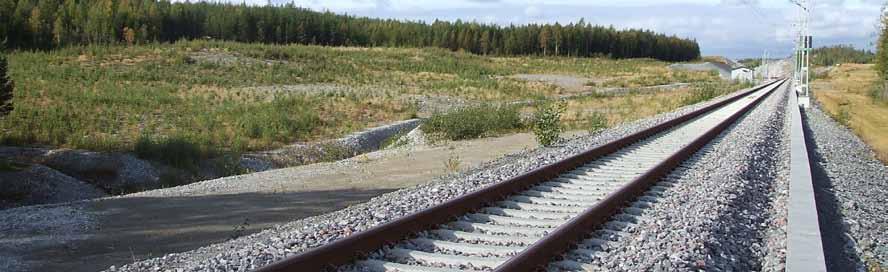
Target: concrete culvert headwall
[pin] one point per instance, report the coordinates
(352, 145)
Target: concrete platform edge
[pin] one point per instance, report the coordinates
(804, 245)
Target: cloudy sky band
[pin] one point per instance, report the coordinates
(734, 28)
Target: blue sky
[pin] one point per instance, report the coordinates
(733, 28)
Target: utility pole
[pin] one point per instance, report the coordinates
(762, 69)
(767, 67)
(803, 53)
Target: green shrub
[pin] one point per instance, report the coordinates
(703, 93)
(879, 91)
(844, 115)
(473, 122)
(177, 152)
(6, 85)
(279, 120)
(547, 123)
(596, 122)
(11, 166)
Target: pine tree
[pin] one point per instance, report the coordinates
(59, 31)
(545, 39)
(485, 42)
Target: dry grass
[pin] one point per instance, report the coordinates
(626, 108)
(845, 95)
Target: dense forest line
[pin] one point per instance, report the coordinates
(830, 55)
(45, 24)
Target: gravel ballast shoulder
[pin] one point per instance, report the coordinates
(253, 251)
(40, 226)
(851, 189)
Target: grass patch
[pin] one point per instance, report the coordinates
(703, 93)
(176, 152)
(11, 166)
(655, 76)
(473, 122)
(395, 140)
(596, 122)
(879, 91)
(280, 120)
(223, 97)
(452, 164)
(593, 112)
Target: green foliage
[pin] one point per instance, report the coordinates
(104, 98)
(830, 55)
(843, 116)
(229, 165)
(53, 23)
(395, 140)
(879, 91)
(279, 120)
(751, 62)
(547, 122)
(706, 92)
(452, 163)
(882, 47)
(596, 122)
(11, 166)
(6, 85)
(177, 152)
(473, 122)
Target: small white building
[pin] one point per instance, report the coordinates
(742, 74)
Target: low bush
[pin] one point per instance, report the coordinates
(843, 116)
(452, 163)
(596, 122)
(703, 93)
(879, 92)
(473, 122)
(547, 123)
(282, 119)
(6, 85)
(177, 152)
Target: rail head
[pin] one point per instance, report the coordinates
(354, 246)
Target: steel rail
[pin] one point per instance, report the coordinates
(538, 255)
(349, 248)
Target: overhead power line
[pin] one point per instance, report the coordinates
(759, 13)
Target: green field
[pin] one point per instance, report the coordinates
(225, 96)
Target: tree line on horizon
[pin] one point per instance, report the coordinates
(47, 24)
(836, 54)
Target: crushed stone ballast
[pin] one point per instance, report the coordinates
(522, 223)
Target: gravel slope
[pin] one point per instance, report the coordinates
(250, 252)
(851, 187)
(724, 211)
(37, 226)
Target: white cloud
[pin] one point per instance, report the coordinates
(533, 12)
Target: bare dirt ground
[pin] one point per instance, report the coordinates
(572, 84)
(124, 229)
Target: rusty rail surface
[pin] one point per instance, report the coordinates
(349, 248)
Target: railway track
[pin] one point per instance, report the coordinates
(523, 223)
